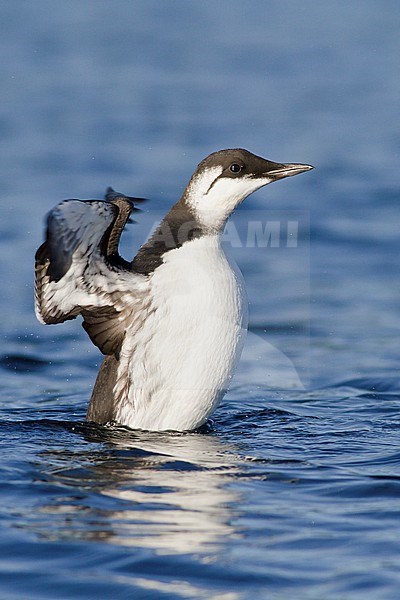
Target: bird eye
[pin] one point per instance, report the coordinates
(235, 168)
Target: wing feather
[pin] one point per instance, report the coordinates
(78, 270)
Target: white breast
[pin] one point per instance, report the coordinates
(182, 360)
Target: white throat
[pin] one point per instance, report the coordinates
(214, 198)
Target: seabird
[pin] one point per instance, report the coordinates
(171, 322)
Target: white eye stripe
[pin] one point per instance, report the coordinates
(201, 184)
(213, 207)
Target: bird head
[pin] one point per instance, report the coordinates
(225, 178)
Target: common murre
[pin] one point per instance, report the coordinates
(171, 322)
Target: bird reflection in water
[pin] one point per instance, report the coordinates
(167, 492)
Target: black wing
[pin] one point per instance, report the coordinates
(78, 269)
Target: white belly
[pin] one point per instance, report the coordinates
(187, 350)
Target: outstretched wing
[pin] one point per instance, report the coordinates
(78, 269)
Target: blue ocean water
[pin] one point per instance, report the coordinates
(292, 491)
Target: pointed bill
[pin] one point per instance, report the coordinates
(287, 170)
